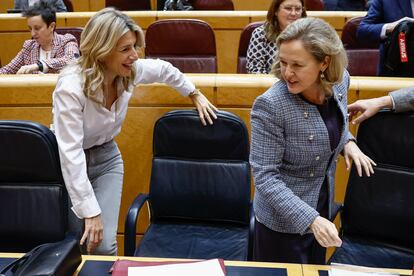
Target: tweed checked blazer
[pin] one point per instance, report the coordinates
(291, 156)
(64, 49)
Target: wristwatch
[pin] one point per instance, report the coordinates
(40, 65)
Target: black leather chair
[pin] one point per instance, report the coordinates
(199, 194)
(378, 214)
(33, 197)
(189, 44)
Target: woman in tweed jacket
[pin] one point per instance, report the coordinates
(47, 51)
(299, 126)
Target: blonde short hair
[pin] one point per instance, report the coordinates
(321, 40)
(100, 36)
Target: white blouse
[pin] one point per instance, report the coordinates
(80, 123)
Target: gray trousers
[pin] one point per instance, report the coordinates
(105, 171)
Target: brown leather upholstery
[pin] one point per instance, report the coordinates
(69, 5)
(314, 5)
(75, 31)
(349, 38)
(363, 55)
(213, 4)
(129, 5)
(244, 45)
(362, 62)
(189, 44)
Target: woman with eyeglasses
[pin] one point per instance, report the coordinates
(299, 128)
(262, 49)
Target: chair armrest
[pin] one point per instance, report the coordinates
(131, 224)
(251, 233)
(336, 208)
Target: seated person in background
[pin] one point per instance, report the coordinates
(400, 101)
(24, 4)
(262, 49)
(382, 17)
(299, 127)
(345, 5)
(47, 51)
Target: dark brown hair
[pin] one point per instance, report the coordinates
(271, 26)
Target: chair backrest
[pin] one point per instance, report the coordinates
(349, 36)
(244, 45)
(189, 44)
(69, 5)
(363, 55)
(75, 31)
(129, 5)
(33, 197)
(363, 62)
(200, 173)
(380, 208)
(213, 5)
(314, 5)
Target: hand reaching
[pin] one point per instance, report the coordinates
(205, 109)
(361, 161)
(368, 108)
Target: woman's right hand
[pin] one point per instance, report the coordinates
(325, 232)
(93, 234)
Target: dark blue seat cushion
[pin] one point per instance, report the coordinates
(362, 252)
(194, 241)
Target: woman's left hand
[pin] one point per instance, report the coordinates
(27, 69)
(361, 161)
(205, 109)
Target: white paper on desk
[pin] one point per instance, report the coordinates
(346, 272)
(203, 268)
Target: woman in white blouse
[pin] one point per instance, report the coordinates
(89, 106)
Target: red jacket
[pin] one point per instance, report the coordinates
(64, 49)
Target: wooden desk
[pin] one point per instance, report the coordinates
(29, 97)
(227, 26)
(322, 270)
(100, 265)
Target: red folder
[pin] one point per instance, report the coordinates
(120, 267)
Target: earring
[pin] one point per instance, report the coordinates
(322, 76)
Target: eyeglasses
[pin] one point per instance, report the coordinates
(292, 9)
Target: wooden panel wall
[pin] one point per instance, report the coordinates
(29, 97)
(227, 26)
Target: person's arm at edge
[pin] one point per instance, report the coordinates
(372, 25)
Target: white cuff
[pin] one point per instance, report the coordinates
(383, 34)
(87, 208)
(393, 103)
